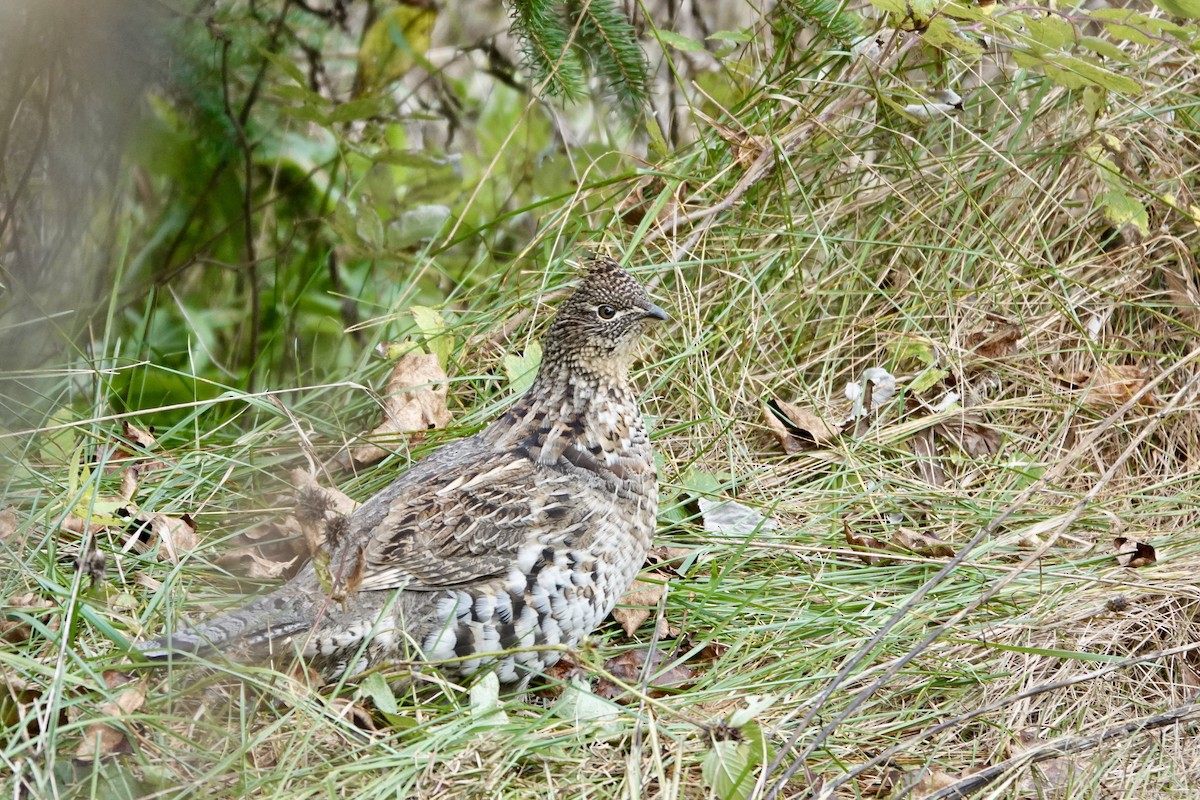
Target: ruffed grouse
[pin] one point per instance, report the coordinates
(524, 534)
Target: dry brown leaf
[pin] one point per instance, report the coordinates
(266, 551)
(634, 206)
(1132, 553)
(797, 428)
(10, 521)
(143, 439)
(1049, 778)
(353, 713)
(629, 666)
(867, 547)
(1110, 385)
(131, 447)
(666, 560)
(107, 737)
(637, 604)
(970, 435)
(923, 544)
(79, 525)
(925, 458)
(15, 630)
(1113, 385)
(249, 562)
(129, 484)
(177, 535)
(994, 344)
(1183, 294)
(414, 402)
(931, 780)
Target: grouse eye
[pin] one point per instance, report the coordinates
(606, 312)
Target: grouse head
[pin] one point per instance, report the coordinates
(596, 329)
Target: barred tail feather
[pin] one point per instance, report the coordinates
(248, 630)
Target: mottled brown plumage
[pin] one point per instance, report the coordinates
(525, 534)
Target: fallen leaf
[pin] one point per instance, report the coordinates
(667, 560)
(1110, 385)
(634, 206)
(270, 550)
(970, 435)
(629, 667)
(129, 484)
(14, 629)
(797, 428)
(1113, 385)
(923, 544)
(684, 641)
(1131, 553)
(414, 402)
(249, 562)
(139, 437)
(729, 518)
(176, 534)
(995, 344)
(868, 548)
(1049, 778)
(132, 446)
(926, 459)
(931, 780)
(355, 714)
(637, 604)
(108, 737)
(10, 521)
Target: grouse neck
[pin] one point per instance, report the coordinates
(577, 390)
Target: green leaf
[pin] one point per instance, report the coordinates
(905, 348)
(578, 705)
(485, 700)
(57, 446)
(1180, 8)
(375, 687)
(433, 328)
(1105, 48)
(1095, 100)
(943, 34)
(1133, 32)
(522, 369)
(925, 379)
(363, 108)
(729, 767)
(736, 37)
(1121, 209)
(680, 42)
(287, 65)
(702, 483)
(1076, 73)
(1050, 31)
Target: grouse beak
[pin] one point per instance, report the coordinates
(654, 312)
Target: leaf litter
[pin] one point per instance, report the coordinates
(414, 402)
